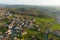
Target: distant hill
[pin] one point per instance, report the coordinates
(54, 10)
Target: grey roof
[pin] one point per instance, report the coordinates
(16, 28)
(1, 36)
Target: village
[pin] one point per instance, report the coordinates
(16, 27)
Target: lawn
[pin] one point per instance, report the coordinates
(55, 27)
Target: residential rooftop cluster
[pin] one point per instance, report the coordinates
(16, 26)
